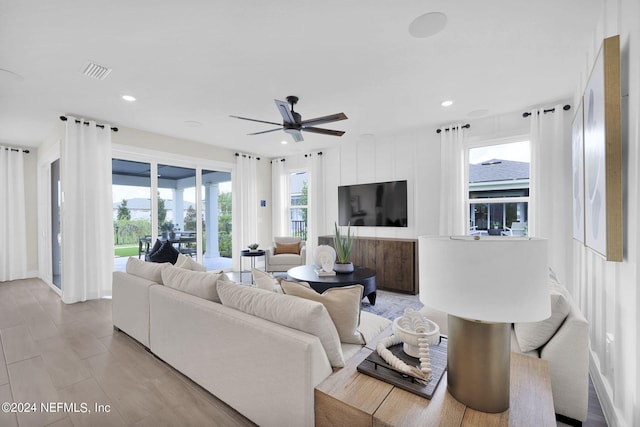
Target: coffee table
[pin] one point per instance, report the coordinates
(361, 276)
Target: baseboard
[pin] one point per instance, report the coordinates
(604, 392)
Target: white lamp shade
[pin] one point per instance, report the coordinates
(492, 279)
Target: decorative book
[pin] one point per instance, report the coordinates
(321, 273)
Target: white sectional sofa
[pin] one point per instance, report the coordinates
(265, 370)
(563, 341)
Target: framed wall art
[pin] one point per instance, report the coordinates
(602, 154)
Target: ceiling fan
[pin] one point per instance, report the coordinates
(293, 124)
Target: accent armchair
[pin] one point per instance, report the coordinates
(285, 253)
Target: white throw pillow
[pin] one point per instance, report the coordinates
(188, 263)
(146, 270)
(266, 281)
(342, 303)
(198, 283)
(296, 313)
(533, 335)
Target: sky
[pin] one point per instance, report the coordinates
(516, 151)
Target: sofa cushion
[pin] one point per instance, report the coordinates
(166, 253)
(155, 247)
(188, 263)
(198, 283)
(371, 325)
(265, 281)
(296, 313)
(287, 248)
(533, 335)
(342, 303)
(146, 270)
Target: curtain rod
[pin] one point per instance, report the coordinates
(247, 155)
(319, 153)
(25, 151)
(64, 119)
(467, 126)
(567, 107)
(278, 160)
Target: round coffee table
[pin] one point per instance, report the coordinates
(361, 276)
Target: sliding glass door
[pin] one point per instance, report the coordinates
(189, 207)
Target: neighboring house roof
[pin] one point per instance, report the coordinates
(498, 170)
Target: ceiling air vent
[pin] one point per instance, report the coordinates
(95, 71)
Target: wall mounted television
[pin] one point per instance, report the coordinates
(379, 204)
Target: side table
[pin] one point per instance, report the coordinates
(252, 255)
(349, 397)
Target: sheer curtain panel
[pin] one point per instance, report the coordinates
(551, 186)
(452, 174)
(13, 244)
(280, 198)
(315, 204)
(245, 205)
(87, 213)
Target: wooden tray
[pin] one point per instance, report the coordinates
(376, 367)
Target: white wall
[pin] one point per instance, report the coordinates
(608, 292)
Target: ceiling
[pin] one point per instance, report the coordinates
(192, 63)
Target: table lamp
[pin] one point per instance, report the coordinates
(484, 284)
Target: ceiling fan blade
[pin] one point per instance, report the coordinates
(295, 133)
(283, 108)
(255, 120)
(265, 131)
(323, 131)
(325, 119)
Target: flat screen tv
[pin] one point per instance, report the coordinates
(379, 204)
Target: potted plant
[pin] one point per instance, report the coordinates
(166, 228)
(344, 246)
(253, 247)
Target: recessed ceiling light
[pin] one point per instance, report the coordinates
(446, 103)
(284, 142)
(428, 25)
(129, 98)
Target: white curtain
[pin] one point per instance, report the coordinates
(452, 173)
(13, 243)
(87, 212)
(315, 204)
(279, 198)
(245, 205)
(551, 186)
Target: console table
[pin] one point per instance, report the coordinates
(349, 397)
(395, 261)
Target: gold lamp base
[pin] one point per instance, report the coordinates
(479, 358)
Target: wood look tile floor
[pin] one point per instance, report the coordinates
(55, 353)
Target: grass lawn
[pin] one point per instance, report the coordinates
(126, 250)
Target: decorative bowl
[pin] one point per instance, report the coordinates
(410, 337)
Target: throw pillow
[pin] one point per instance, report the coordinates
(146, 270)
(199, 283)
(155, 247)
(287, 248)
(296, 313)
(533, 335)
(343, 305)
(265, 281)
(188, 263)
(166, 253)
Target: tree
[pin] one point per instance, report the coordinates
(123, 211)
(190, 219)
(304, 195)
(162, 211)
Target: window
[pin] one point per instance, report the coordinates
(498, 189)
(298, 190)
(189, 206)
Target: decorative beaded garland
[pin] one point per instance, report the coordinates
(414, 321)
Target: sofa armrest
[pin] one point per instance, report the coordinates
(567, 353)
(130, 305)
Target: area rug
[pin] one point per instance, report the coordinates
(391, 304)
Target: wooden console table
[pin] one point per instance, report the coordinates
(349, 398)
